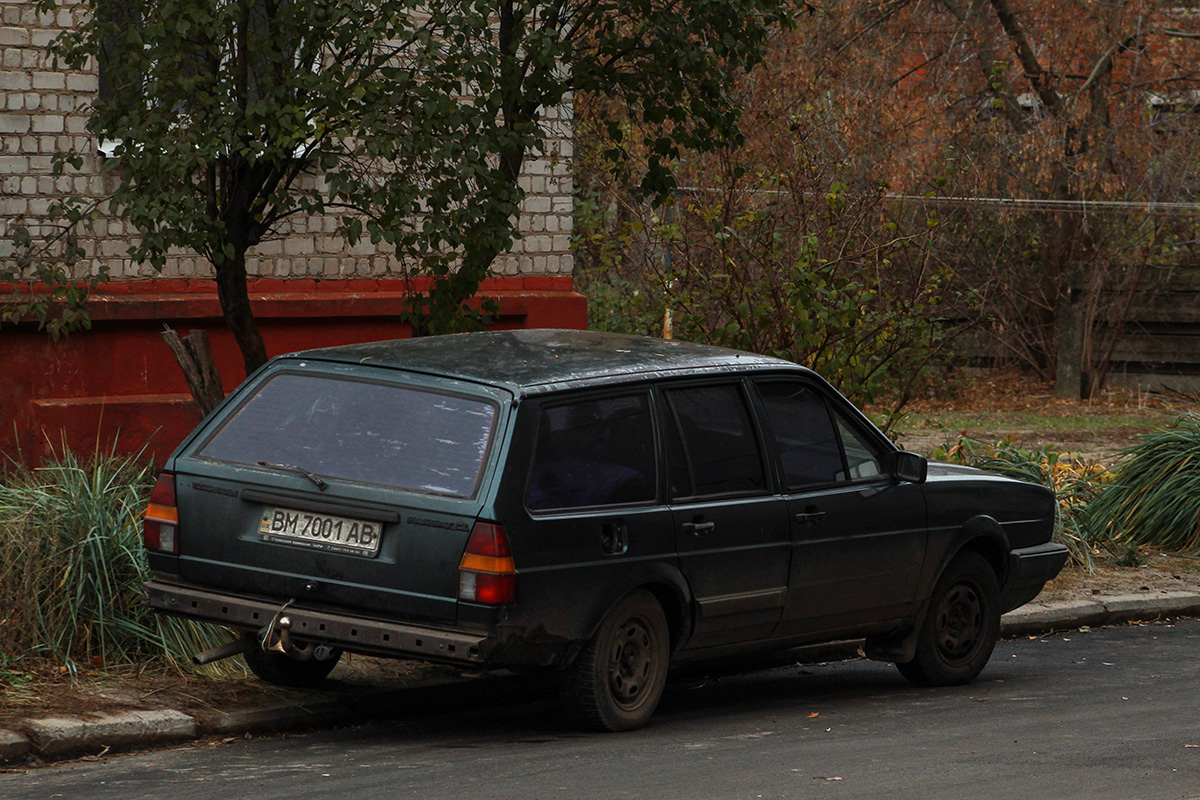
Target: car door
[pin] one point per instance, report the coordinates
(731, 531)
(581, 507)
(858, 535)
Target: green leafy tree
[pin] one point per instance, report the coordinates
(410, 121)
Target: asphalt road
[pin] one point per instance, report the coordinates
(1111, 713)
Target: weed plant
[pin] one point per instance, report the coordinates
(72, 568)
(1153, 499)
(1075, 484)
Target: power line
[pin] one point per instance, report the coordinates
(1024, 203)
(1081, 206)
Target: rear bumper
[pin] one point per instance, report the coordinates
(1028, 570)
(354, 633)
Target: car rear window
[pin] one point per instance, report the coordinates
(380, 433)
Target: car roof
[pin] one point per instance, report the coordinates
(536, 361)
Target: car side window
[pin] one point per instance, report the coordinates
(817, 443)
(862, 458)
(711, 444)
(593, 452)
(804, 434)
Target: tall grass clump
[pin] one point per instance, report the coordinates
(1075, 484)
(1154, 499)
(72, 568)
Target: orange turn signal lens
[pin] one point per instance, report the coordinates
(160, 513)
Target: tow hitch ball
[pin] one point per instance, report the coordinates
(273, 637)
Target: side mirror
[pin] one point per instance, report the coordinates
(909, 467)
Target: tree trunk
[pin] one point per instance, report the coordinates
(444, 311)
(199, 370)
(235, 307)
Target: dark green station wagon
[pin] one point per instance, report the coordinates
(602, 505)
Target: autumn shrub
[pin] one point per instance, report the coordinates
(863, 324)
(1076, 484)
(838, 285)
(72, 568)
(1154, 497)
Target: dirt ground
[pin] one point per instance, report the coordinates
(44, 690)
(1161, 573)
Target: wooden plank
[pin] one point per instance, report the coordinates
(1155, 382)
(1175, 307)
(1158, 349)
(1171, 279)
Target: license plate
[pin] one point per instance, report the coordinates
(356, 537)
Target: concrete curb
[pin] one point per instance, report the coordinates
(59, 737)
(1044, 617)
(13, 746)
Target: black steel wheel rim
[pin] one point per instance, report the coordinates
(960, 623)
(631, 667)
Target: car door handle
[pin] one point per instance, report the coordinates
(697, 528)
(613, 538)
(810, 516)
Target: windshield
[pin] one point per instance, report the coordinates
(380, 433)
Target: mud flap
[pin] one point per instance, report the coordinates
(898, 647)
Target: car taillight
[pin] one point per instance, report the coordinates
(160, 529)
(487, 573)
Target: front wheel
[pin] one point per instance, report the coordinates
(959, 631)
(618, 679)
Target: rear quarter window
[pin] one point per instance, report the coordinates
(593, 452)
(370, 432)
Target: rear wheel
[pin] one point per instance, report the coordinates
(960, 630)
(618, 679)
(281, 669)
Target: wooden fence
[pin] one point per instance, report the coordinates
(1148, 339)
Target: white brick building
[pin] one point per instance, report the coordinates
(43, 108)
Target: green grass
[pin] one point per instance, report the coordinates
(72, 568)
(1154, 499)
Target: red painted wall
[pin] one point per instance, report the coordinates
(118, 386)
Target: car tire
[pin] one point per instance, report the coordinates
(617, 680)
(960, 629)
(280, 669)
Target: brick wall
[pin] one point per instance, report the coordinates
(43, 110)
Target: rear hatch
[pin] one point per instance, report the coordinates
(339, 485)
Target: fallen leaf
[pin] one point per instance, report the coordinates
(814, 715)
(823, 778)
